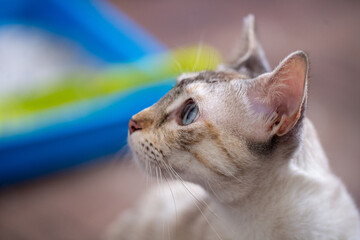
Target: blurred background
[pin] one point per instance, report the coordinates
(72, 74)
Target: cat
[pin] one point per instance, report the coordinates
(238, 157)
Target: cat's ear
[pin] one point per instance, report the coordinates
(249, 58)
(279, 96)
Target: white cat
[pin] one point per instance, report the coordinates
(240, 134)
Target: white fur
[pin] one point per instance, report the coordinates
(303, 200)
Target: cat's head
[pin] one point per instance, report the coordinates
(225, 126)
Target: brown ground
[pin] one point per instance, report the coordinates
(79, 204)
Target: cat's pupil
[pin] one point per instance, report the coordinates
(189, 113)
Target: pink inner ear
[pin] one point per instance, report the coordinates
(287, 86)
(281, 93)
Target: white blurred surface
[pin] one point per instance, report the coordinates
(31, 58)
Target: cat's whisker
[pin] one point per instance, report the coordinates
(183, 183)
(163, 195)
(147, 171)
(157, 175)
(162, 178)
(212, 190)
(215, 194)
(150, 174)
(196, 204)
(196, 201)
(199, 50)
(230, 174)
(197, 57)
(172, 195)
(212, 59)
(178, 177)
(178, 64)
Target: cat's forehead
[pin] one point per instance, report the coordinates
(208, 77)
(190, 83)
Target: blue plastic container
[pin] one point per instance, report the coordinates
(95, 25)
(111, 37)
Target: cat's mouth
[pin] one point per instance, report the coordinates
(154, 167)
(147, 155)
(152, 160)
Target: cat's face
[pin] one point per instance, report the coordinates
(199, 128)
(217, 127)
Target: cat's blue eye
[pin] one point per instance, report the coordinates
(189, 113)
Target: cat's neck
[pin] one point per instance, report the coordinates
(283, 190)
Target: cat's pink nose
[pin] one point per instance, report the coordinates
(134, 126)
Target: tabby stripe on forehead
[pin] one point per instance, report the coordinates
(210, 77)
(216, 137)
